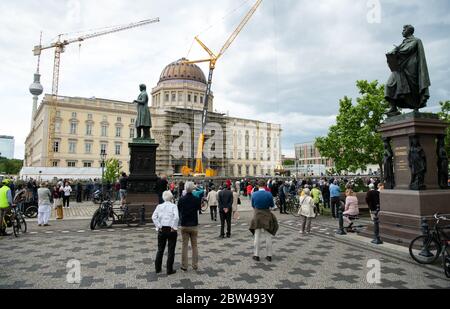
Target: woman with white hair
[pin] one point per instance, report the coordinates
(306, 211)
(166, 219)
(44, 203)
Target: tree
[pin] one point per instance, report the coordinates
(112, 170)
(353, 142)
(10, 167)
(288, 162)
(444, 114)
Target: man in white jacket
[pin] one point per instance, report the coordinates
(213, 202)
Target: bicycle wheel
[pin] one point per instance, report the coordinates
(131, 220)
(204, 206)
(16, 227)
(31, 212)
(94, 220)
(23, 223)
(425, 249)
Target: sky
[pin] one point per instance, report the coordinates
(291, 64)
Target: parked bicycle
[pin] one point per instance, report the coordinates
(106, 215)
(16, 220)
(426, 249)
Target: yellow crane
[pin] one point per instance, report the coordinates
(59, 47)
(213, 58)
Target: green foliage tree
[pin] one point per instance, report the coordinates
(444, 114)
(288, 162)
(112, 170)
(353, 142)
(10, 167)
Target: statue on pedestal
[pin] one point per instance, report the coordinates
(442, 163)
(418, 164)
(388, 162)
(143, 120)
(408, 85)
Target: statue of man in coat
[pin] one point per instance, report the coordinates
(143, 120)
(408, 85)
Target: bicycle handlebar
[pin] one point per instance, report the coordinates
(440, 217)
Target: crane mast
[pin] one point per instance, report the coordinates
(199, 168)
(59, 47)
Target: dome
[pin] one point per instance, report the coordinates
(36, 87)
(181, 71)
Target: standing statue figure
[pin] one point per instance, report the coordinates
(417, 163)
(408, 85)
(442, 163)
(388, 161)
(143, 120)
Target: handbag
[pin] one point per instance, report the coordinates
(239, 201)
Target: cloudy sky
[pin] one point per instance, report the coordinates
(290, 65)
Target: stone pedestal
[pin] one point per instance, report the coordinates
(402, 208)
(142, 179)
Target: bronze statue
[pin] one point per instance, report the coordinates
(388, 161)
(408, 85)
(418, 164)
(442, 163)
(143, 120)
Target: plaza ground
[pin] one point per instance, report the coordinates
(123, 257)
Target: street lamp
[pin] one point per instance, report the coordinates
(103, 158)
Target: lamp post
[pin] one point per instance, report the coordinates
(103, 158)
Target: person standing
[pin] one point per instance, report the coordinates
(306, 211)
(351, 207)
(326, 194)
(79, 192)
(58, 201)
(44, 203)
(123, 181)
(225, 208)
(335, 195)
(212, 200)
(6, 202)
(166, 220)
(188, 207)
(282, 197)
(66, 197)
(236, 202)
(264, 224)
(20, 198)
(249, 190)
(317, 197)
(373, 201)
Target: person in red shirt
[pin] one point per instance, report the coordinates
(249, 191)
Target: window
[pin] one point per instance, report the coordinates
(74, 115)
(166, 97)
(247, 139)
(189, 97)
(88, 148)
(89, 129)
(104, 130)
(119, 119)
(133, 121)
(72, 147)
(247, 156)
(195, 98)
(55, 147)
(180, 96)
(71, 164)
(89, 116)
(118, 132)
(73, 128)
(58, 127)
(103, 147)
(87, 164)
(118, 149)
(201, 99)
(131, 133)
(55, 164)
(174, 96)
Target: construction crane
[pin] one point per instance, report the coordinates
(59, 47)
(213, 58)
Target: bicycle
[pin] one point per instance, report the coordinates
(293, 205)
(426, 249)
(106, 215)
(205, 205)
(15, 220)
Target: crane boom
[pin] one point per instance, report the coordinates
(199, 169)
(59, 47)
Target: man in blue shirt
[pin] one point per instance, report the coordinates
(264, 224)
(335, 195)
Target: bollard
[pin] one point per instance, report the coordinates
(425, 232)
(142, 215)
(376, 229)
(341, 231)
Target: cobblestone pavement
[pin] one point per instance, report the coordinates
(122, 257)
